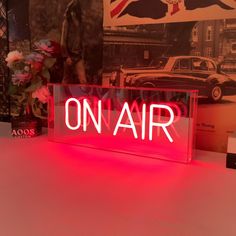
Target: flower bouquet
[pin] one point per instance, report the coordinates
(28, 87)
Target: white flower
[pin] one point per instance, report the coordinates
(27, 68)
(42, 94)
(13, 56)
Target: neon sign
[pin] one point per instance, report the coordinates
(124, 120)
(84, 110)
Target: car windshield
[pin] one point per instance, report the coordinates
(202, 65)
(159, 63)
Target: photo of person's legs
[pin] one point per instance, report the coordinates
(80, 72)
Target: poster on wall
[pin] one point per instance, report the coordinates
(132, 12)
(18, 25)
(77, 27)
(198, 54)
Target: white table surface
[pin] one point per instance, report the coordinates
(51, 189)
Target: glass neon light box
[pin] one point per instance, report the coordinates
(155, 123)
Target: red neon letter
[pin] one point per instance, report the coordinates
(130, 126)
(67, 114)
(87, 109)
(162, 125)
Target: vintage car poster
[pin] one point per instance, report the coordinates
(198, 54)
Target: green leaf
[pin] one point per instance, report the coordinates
(36, 79)
(22, 98)
(34, 86)
(18, 65)
(38, 111)
(45, 73)
(12, 89)
(49, 62)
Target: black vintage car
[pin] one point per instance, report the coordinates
(183, 72)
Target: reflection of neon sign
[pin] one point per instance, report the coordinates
(151, 116)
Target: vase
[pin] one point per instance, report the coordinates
(26, 127)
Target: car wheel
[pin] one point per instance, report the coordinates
(146, 95)
(216, 93)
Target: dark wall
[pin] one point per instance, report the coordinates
(18, 19)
